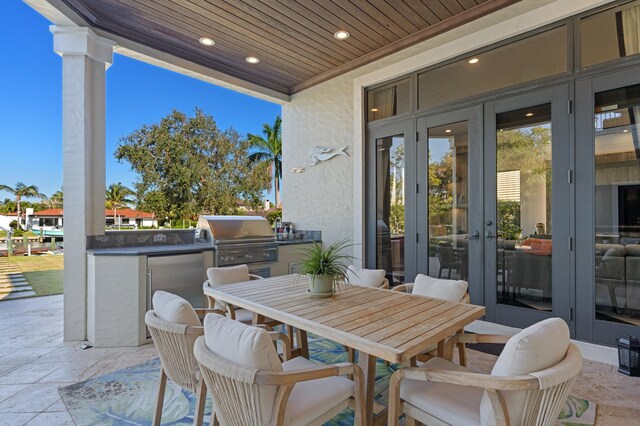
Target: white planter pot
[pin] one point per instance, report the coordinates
(320, 285)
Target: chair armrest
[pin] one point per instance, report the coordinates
(286, 343)
(493, 385)
(467, 378)
(195, 330)
(406, 288)
(255, 277)
(287, 380)
(296, 376)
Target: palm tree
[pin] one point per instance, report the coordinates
(22, 191)
(117, 195)
(56, 200)
(268, 149)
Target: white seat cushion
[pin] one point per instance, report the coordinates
(535, 348)
(311, 399)
(453, 404)
(247, 346)
(172, 308)
(228, 275)
(244, 315)
(365, 277)
(450, 290)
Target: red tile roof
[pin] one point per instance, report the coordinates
(126, 213)
(49, 212)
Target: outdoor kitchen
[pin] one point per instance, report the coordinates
(125, 268)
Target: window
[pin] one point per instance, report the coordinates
(388, 101)
(535, 57)
(611, 34)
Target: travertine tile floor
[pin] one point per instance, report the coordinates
(34, 362)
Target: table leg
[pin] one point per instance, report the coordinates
(258, 319)
(368, 365)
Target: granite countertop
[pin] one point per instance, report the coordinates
(292, 242)
(150, 250)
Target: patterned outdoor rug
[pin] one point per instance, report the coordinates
(127, 397)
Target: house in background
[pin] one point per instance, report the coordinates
(7, 218)
(125, 218)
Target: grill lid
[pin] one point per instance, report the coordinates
(234, 229)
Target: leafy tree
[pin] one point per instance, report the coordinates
(396, 175)
(440, 195)
(22, 191)
(8, 206)
(268, 149)
(117, 197)
(186, 165)
(274, 215)
(509, 220)
(527, 150)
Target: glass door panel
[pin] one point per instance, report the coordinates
(524, 208)
(390, 176)
(608, 206)
(448, 208)
(527, 226)
(449, 202)
(390, 201)
(617, 205)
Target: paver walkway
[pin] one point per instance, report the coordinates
(13, 285)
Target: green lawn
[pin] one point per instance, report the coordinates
(44, 273)
(3, 234)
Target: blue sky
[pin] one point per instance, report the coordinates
(137, 94)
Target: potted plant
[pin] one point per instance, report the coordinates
(325, 268)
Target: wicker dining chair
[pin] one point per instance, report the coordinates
(250, 386)
(240, 273)
(367, 277)
(229, 275)
(528, 385)
(174, 326)
(450, 290)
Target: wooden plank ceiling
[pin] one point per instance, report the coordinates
(293, 39)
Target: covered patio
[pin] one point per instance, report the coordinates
(36, 362)
(390, 141)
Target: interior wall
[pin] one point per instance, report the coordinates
(322, 196)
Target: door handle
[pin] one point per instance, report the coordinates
(489, 236)
(475, 236)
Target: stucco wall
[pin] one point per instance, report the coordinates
(320, 198)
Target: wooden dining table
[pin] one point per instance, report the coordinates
(390, 325)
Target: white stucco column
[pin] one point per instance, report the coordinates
(85, 59)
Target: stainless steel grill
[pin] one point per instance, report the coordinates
(238, 239)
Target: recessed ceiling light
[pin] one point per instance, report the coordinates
(448, 131)
(252, 59)
(206, 41)
(341, 35)
(626, 130)
(374, 109)
(529, 114)
(474, 60)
